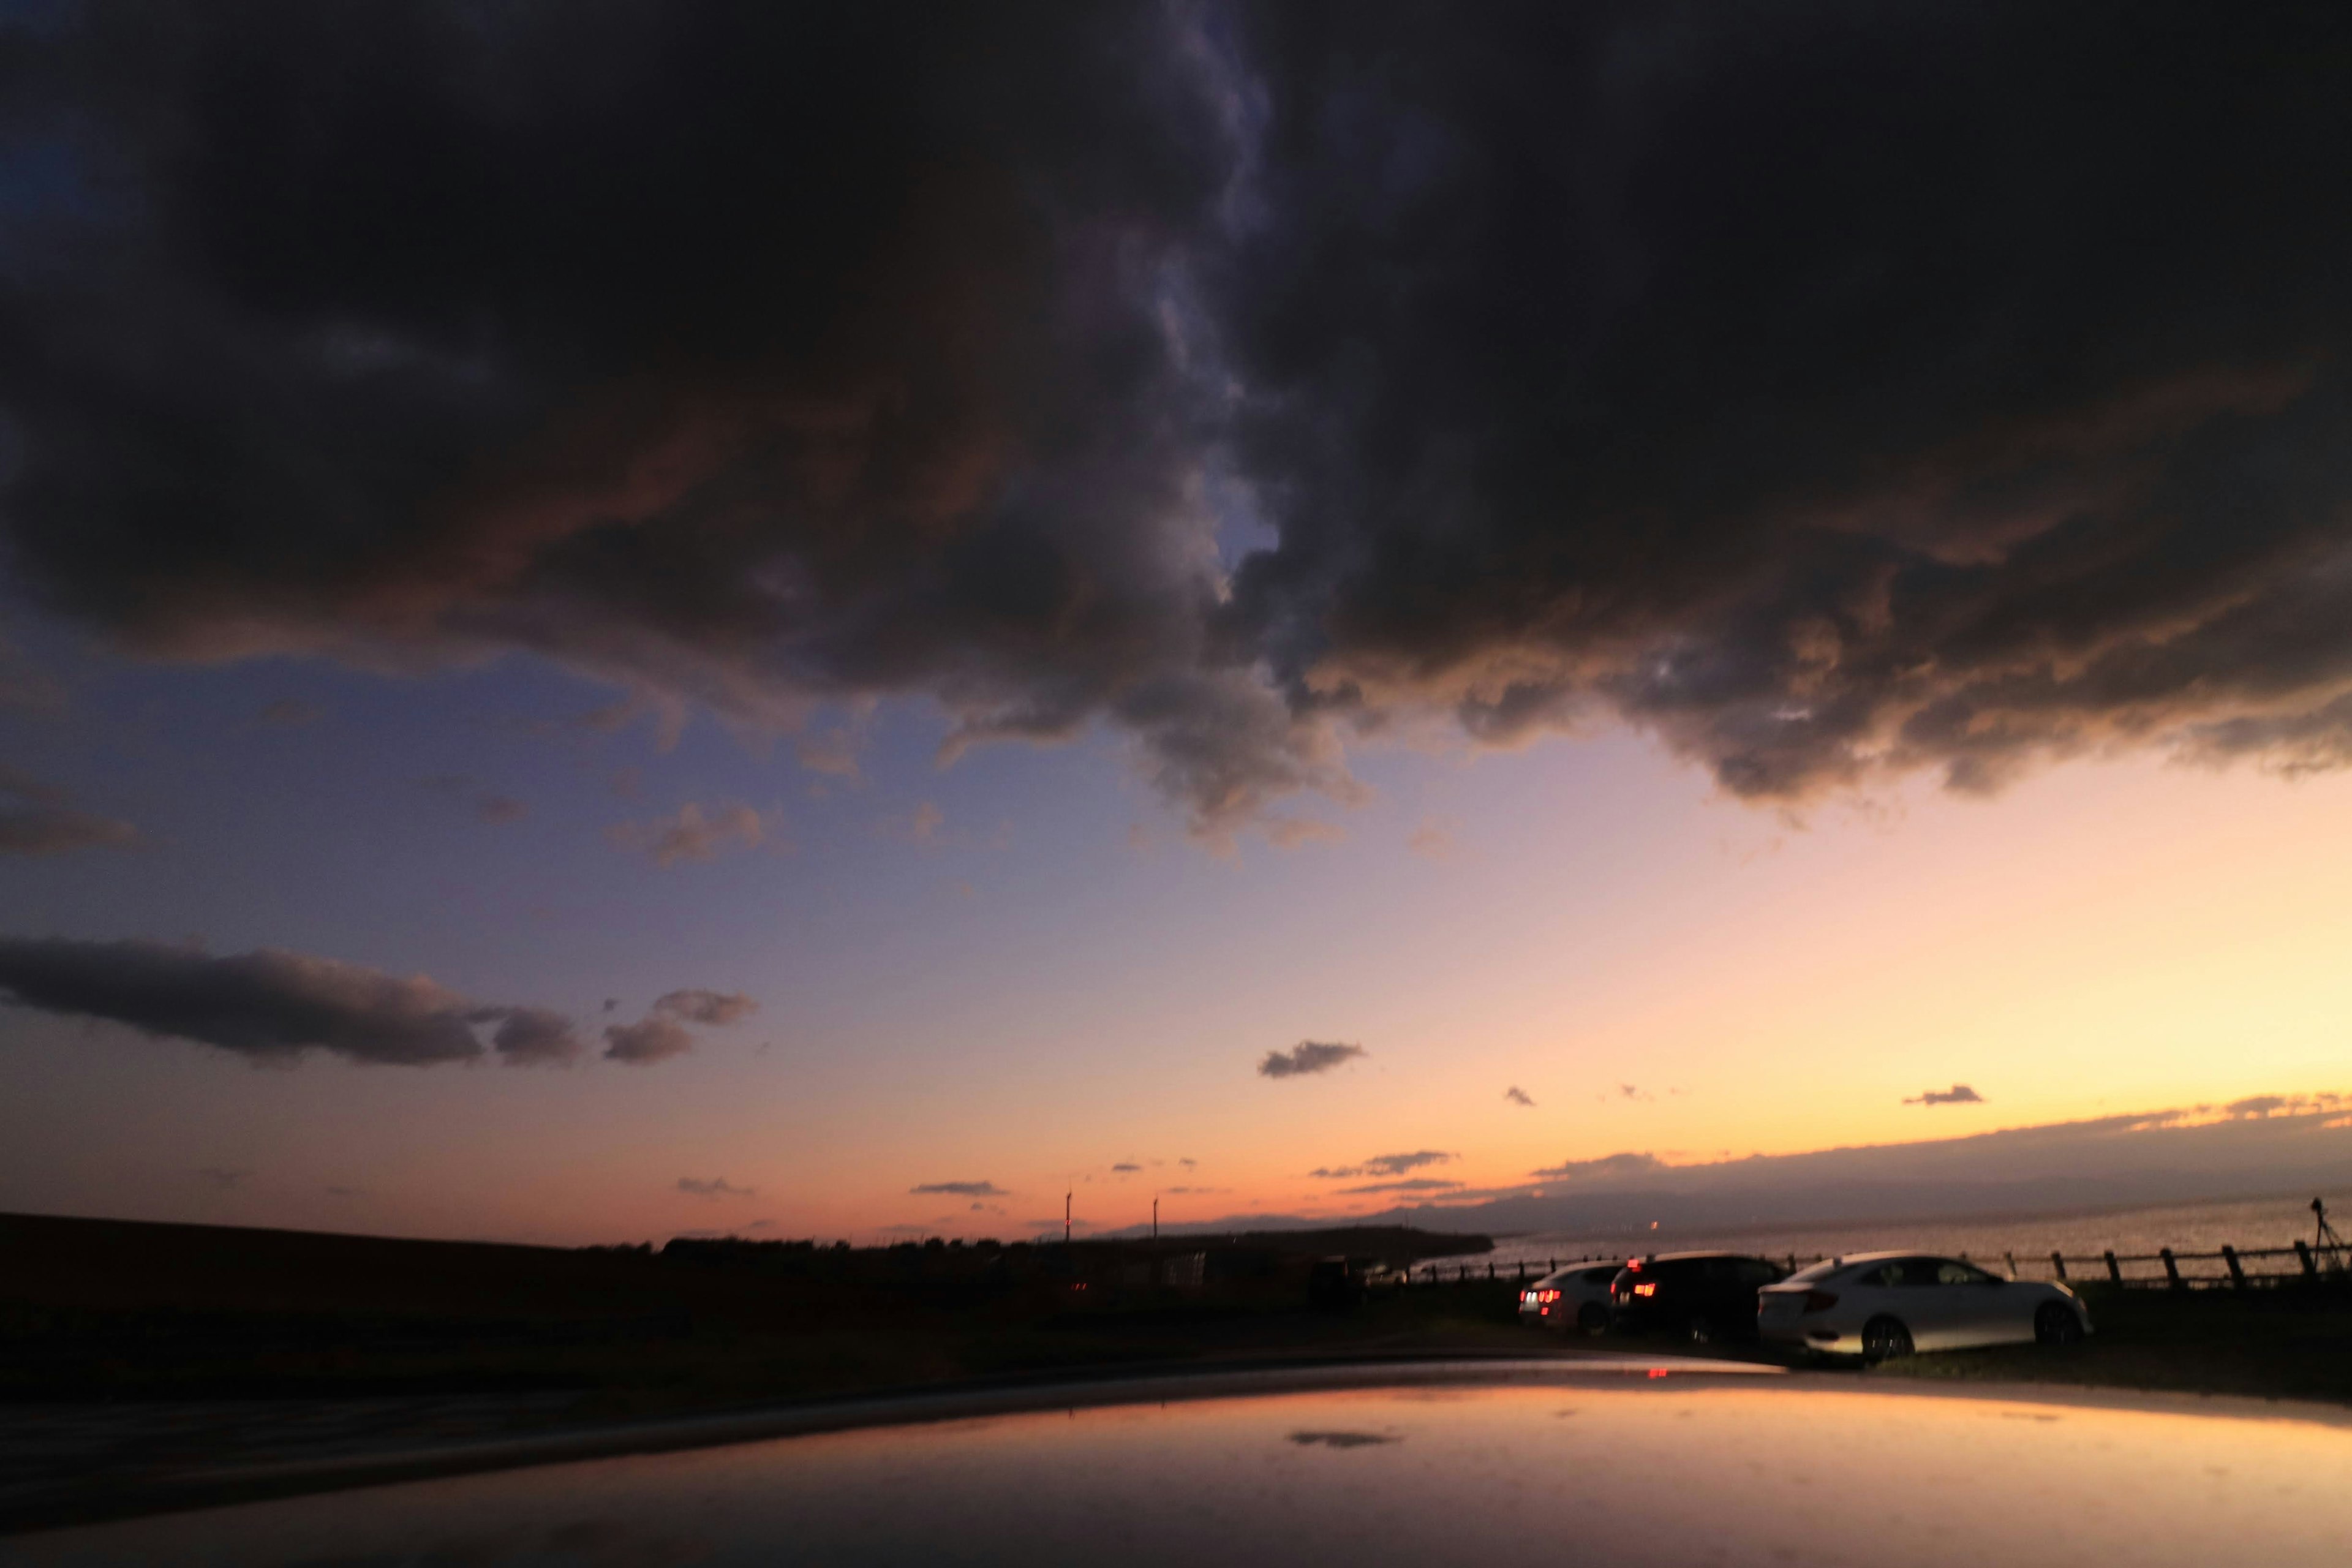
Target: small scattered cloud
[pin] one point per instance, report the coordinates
(1387, 1165)
(1298, 832)
(649, 1040)
(1627, 1164)
(2256, 1106)
(1194, 1192)
(716, 1187)
(534, 1037)
(833, 753)
(1632, 1092)
(36, 818)
(1518, 1095)
(1188, 1164)
(693, 832)
(1433, 840)
(920, 826)
(963, 1189)
(1307, 1058)
(1125, 1166)
(1409, 1184)
(1958, 1094)
(226, 1179)
(1343, 1440)
(713, 1008)
(288, 713)
(487, 804)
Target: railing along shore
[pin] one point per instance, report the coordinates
(2232, 1268)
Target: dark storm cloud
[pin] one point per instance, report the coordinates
(39, 819)
(964, 1189)
(1958, 1094)
(1829, 390)
(1308, 1057)
(270, 1005)
(711, 1007)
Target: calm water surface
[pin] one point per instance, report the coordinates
(1623, 1471)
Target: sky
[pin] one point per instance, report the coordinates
(818, 623)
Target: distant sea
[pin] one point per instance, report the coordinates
(1990, 1239)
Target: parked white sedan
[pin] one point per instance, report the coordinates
(1570, 1299)
(1879, 1305)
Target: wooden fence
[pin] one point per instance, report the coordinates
(2230, 1269)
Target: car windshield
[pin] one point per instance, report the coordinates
(1821, 1271)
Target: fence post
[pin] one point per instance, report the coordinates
(2303, 1252)
(2058, 1262)
(1523, 1273)
(2230, 1256)
(2013, 1264)
(2171, 1269)
(2114, 1269)
(1792, 1263)
(1490, 1270)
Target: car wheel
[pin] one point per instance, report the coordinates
(1884, 1339)
(1593, 1318)
(1698, 1330)
(2054, 1324)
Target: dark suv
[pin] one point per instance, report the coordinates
(1695, 1296)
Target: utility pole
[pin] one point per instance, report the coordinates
(1155, 1217)
(1065, 1219)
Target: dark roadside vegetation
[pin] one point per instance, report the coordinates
(112, 1312)
(109, 1310)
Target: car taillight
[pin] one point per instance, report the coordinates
(1819, 1300)
(1647, 1288)
(1551, 1295)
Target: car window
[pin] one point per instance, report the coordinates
(1950, 1273)
(1903, 1274)
(1755, 1271)
(1821, 1271)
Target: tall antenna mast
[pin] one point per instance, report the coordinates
(1065, 1219)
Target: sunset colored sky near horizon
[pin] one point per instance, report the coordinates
(839, 621)
(1051, 982)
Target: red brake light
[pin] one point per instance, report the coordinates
(1819, 1300)
(1647, 1288)
(1633, 1265)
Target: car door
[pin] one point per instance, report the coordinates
(1907, 1290)
(1979, 1307)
